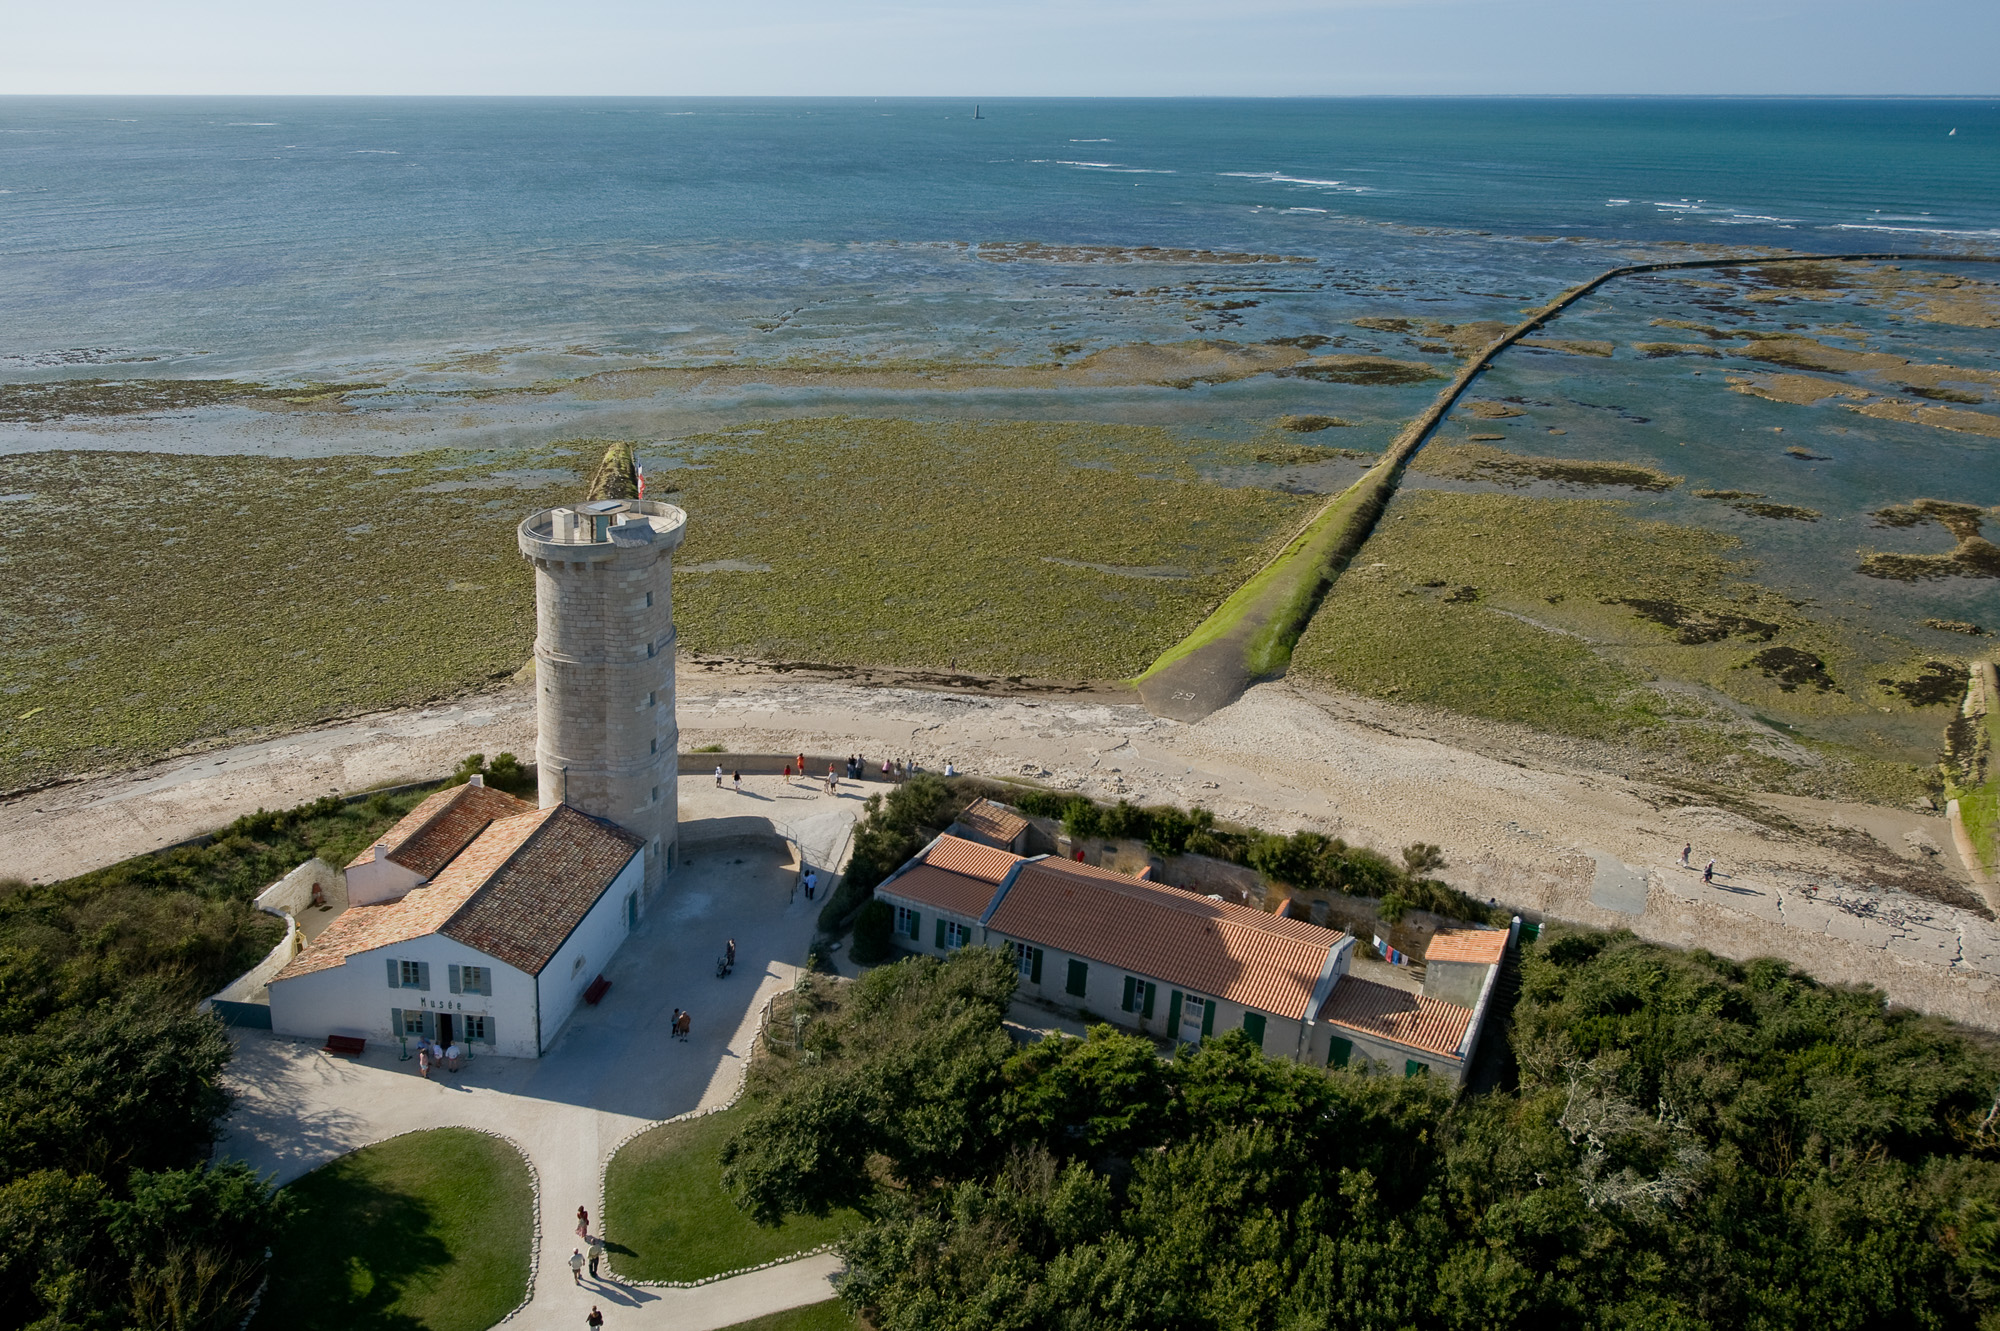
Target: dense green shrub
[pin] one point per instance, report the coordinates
(1694, 1143)
(893, 827)
(873, 928)
(110, 1080)
(1304, 861)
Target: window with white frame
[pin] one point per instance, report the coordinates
(412, 973)
(906, 922)
(956, 934)
(413, 1022)
(1024, 958)
(473, 1027)
(477, 980)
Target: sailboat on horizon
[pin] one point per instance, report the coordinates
(975, 112)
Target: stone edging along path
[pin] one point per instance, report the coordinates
(1250, 635)
(604, 1173)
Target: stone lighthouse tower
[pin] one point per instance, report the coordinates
(604, 665)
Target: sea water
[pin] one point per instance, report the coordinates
(329, 238)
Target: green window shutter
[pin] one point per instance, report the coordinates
(1341, 1051)
(395, 974)
(1131, 985)
(1253, 1026)
(424, 976)
(1208, 1021)
(1412, 1068)
(1035, 968)
(396, 1021)
(1079, 976)
(940, 931)
(1174, 1014)
(430, 1025)
(489, 1030)
(451, 978)
(1151, 989)
(916, 926)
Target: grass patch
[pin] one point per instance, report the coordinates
(427, 1230)
(828, 1316)
(1561, 614)
(980, 545)
(666, 1216)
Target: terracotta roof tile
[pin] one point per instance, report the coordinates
(959, 856)
(1214, 948)
(1483, 946)
(515, 893)
(993, 820)
(425, 839)
(1416, 1020)
(928, 885)
(532, 902)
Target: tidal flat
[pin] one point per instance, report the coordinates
(160, 601)
(1580, 617)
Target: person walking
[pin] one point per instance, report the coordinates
(684, 1025)
(832, 781)
(1686, 851)
(582, 1223)
(730, 952)
(424, 1059)
(596, 1254)
(788, 773)
(595, 1320)
(802, 766)
(674, 1025)
(718, 776)
(1708, 874)
(576, 1266)
(812, 883)
(737, 777)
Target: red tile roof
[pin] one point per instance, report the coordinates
(515, 893)
(1415, 1020)
(995, 821)
(959, 856)
(426, 838)
(928, 885)
(1481, 946)
(1214, 948)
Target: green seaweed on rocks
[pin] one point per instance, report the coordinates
(1575, 618)
(56, 399)
(1481, 462)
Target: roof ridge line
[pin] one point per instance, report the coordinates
(547, 814)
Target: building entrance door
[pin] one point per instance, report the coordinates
(444, 1029)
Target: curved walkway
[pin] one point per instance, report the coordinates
(1249, 636)
(613, 1069)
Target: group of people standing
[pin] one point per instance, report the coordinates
(1708, 870)
(431, 1055)
(893, 769)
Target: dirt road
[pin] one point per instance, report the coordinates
(1536, 824)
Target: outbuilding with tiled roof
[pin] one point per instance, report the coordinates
(478, 918)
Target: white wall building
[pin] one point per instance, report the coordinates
(478, 918)
(1181, 966)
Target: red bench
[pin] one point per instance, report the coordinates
(350, 1046)
(599, 987)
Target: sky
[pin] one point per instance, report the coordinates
(998, 48)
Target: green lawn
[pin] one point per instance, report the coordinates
(427, 1231)
(666, 1216)
(828, 1316)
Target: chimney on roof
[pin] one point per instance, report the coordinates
(476, 780)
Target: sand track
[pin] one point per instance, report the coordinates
(1545, 825)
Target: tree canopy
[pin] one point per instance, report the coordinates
(1691, 1143)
